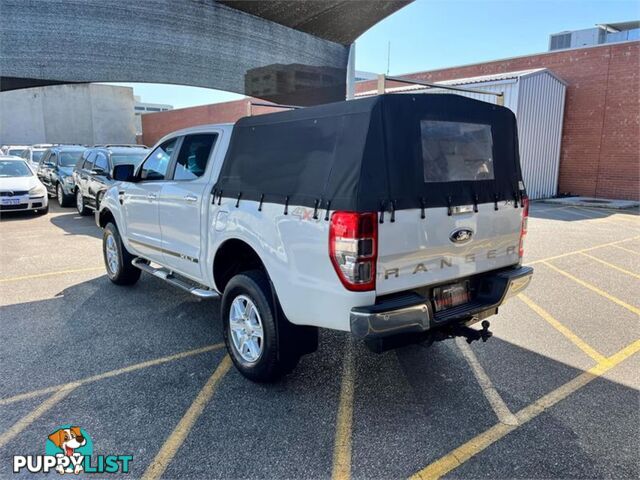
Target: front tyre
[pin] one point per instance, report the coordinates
(250, 333)
(63, 199)
(117, 259)
(80, 205)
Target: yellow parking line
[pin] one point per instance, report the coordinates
(602, 245)
(626, 249)
(178, 436)
(577, 341)
(49, 274)
(611, 265)
(600, 217)
(110, 373)
(344, 421)
(491, 394)
(479, 443)
(606, 216)
(632, 212)
(36, 413)
(595, 289)
(533, 211)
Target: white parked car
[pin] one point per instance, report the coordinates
(398, 218)
(15, 150)
(20, 188)
(34, 153)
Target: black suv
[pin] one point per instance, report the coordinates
(93, 173)
(55, 171)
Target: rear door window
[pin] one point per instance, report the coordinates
(456, 151)
(194, 156)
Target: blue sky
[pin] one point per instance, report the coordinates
(431, 34)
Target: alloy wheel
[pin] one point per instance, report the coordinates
(79, 202)
(112, 254)
(245, 326)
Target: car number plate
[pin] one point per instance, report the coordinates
(10, 201)
(452, 295)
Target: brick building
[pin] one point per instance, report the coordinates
(600, 151)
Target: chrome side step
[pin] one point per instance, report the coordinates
(169, 277)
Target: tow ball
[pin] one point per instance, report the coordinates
(379, 345)
(471, 334)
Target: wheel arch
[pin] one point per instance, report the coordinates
(105, 217)
(234, 256)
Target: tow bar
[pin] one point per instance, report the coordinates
(471, 334)
(379, 345)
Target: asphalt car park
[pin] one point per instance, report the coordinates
(553, 394)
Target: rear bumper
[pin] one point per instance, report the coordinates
(413, 313)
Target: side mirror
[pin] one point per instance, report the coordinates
(49, 164)
(98, 171)
(124, 173)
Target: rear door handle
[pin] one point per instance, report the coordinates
(191, 198)
(151, 196)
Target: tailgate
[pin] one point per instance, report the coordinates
(415, 252)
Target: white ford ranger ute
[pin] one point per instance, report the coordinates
(398, 218)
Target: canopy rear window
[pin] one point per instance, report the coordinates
(456, 151)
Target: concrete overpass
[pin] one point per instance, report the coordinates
(293, 52)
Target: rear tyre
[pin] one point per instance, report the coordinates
(117, 259)
(251, 333)
(63, 199)
(80, 205)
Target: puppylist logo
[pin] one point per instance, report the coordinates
(69, 449)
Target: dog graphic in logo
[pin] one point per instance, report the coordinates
(68, 439)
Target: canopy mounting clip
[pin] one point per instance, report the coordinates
(326, 215)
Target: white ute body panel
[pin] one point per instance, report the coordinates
(414, 252)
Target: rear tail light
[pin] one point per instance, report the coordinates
(523, 226)
(353, 248)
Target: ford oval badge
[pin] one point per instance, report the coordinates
(461, 235)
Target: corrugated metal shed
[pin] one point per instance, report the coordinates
(537, 98)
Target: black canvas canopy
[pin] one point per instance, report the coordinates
(368, 155)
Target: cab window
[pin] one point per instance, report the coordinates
(194, 156)
(101, 162)
(44, 159)
(88, 163)
(157, 163)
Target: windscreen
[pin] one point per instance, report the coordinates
(456, 151)
(16, 152)
(69, 159)
(129, 158)
(12, 168)
(36, 155)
